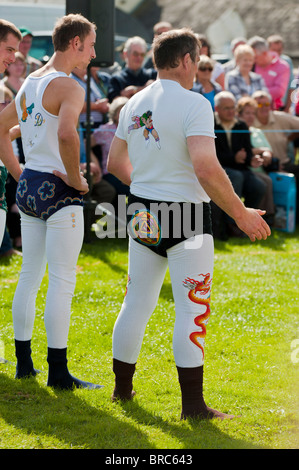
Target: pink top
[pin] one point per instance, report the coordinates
(276, 76)
(103, 137)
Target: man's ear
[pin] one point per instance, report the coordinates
(75, 42)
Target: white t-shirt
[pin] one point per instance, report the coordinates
(38, 126)
(162, 168)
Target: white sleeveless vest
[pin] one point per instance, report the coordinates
(38, 126)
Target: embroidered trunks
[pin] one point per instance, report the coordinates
(42, 194)
(160, 225)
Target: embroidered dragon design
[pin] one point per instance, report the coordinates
(199, 287)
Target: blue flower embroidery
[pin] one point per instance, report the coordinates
(22, 187)
(46, 190)
(31, 203)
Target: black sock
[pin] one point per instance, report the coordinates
(59, 376)
(24, 361)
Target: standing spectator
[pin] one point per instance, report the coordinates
(235, 155)
(204, 83)
(274, 70)
(32, 64)
(133, 77)
(242, 81)
(276, 44)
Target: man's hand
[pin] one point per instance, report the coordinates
(253, 224)
(81, 186)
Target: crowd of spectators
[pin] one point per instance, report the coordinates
(255, 102)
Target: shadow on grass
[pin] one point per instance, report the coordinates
(68, 421)
(199, 434)
(63, 416)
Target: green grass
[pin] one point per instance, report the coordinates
(251, 367)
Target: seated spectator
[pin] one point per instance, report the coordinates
(283, 123)
(102, 80)
(218, 74)
(203, 83)
(242, 81)
(32, 64)
(133, 77)
(159, 28)
(231, 64)
(246, 109)
(276, 44)
(98, 103)
(103, 137)
(274, 70)
(234, 152)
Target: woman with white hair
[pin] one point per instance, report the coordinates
(242, 81)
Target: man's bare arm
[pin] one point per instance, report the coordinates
(72, 99)
(9, 119)
(217, 185)
(119, 162)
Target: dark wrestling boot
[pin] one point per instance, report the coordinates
(24, 368)
(124, 372)
(193, 404)
(59, 376)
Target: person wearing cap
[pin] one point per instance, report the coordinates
(32, 64)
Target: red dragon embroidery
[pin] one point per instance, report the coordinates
(203, 288)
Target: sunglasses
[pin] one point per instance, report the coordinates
(262, 105)
(204, 69)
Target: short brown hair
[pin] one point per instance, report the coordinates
(68, 27)
(6, 27)
(171, 46)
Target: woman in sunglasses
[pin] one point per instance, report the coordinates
(203, 80)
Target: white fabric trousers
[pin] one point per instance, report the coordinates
(191, 271)
(58, 242)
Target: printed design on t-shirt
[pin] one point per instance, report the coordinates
(196, 290)
(145, 120)
(47, 190)
(26, 110)
(39, 120)
(145, 227)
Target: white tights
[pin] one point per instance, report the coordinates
(58, 242)
(145, 278)
(2, 224)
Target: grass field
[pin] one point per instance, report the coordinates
(251, 369)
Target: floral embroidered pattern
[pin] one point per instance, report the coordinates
(31, 203)
(47, 190)
(22, 188)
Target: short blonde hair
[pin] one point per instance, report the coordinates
(243, 49)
